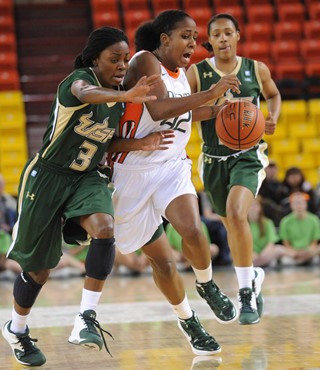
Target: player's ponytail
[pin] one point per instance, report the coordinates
(147, 36)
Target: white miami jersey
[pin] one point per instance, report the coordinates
(137, 123)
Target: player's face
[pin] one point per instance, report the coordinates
(112, 64)
(181, 44)
(223, 38)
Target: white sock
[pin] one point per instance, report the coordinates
(90, 300)
(183, 309)
(203, 276)
(18, 323)
(245, 275)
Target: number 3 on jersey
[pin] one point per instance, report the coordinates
(85, 156)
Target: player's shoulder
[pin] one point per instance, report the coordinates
(143, 56)
(85, 74)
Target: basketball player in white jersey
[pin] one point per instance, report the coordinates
(150, 185)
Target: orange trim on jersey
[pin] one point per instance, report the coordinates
(133, 113)
(172, 74)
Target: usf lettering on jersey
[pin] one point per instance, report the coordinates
(79, 134)
(207, 74)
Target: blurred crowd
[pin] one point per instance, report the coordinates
(284, 221)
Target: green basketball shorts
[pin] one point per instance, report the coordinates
(220, 173)
(48, 195)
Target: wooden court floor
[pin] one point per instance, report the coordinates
(146, 335)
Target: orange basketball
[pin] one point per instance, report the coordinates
(240, 125)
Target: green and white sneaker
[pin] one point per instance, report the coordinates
(248, 307)
(256, 286)
(201, 342)
(84, 332)
(23, 347)
(223, 308)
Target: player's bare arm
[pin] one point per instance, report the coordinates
(155, 141)
(92, 94)
(165, 108)
(205, 112)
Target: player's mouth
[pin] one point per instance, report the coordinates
(225, 48)
(186, 57)
(119, 78)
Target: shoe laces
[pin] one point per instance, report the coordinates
(212, 293)
(245, 300)
(197, 331)
(27, 344)
(92, 324)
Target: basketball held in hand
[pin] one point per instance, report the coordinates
(240, 125)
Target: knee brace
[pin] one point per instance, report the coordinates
(25, 290)
(100, 258)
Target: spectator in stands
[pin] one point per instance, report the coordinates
(294, 181)
(8, 215)
(300, 230)
(216, 229)
(175, 241)
(271, 192)
(264, 236)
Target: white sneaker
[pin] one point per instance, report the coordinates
(84, 332)
(23, 347)
(256, 285)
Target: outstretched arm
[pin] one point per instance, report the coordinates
(91, 94)
(165, 107)
(154, 141)
(207, 111)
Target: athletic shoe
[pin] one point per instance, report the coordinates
(85, 332)
(200, 341)
(256, 286)
(223, 308)
(23, 347)
(248, 307)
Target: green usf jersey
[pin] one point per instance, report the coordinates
(79, 134)
(250, 89)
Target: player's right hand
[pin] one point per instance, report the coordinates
(227, 82)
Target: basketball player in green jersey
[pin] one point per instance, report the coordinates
(62, 182)
(232, 178)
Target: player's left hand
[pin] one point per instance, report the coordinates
(139, 93)
(157, 140)
(270, 124)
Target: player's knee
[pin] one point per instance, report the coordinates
(166, 268)
(100, 258)
(192, 235)
(103, 230)
(26, 290)
(236, 214)
(40, 277)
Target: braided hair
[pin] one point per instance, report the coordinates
(98, 40)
